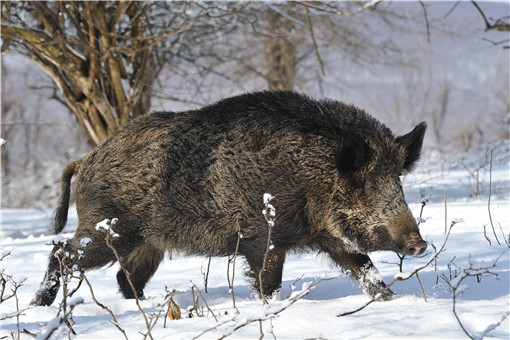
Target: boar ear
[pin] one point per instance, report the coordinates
(412, 142)
(353, 153)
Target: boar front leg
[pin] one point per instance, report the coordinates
(361, 268)
(272, 275)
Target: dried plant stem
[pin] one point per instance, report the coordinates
(264, 300)
(234, 269)
(62, 319)
(206, 274)
(454, 295)
(261, 332)
(457, 288)
(421, 286)
(126, 273)
(295, 296)
(65, 274)
(314, 42)
(269, 214)
(445, 214)
(489, 202)
(8, 279)
(208, 308)
(107, 309)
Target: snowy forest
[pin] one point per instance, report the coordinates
(73, 73)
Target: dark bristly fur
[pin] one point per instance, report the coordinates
(189, 180)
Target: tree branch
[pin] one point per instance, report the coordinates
(498, 25)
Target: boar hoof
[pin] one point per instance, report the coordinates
(43, 298)
(130, 295)
(387, 295)
(275, 296)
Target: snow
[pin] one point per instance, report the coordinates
(106, 225)
(313, 293)
(267, 197)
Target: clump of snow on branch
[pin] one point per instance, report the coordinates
(269, 213)
(107, 224)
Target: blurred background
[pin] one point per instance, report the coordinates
(72, 73)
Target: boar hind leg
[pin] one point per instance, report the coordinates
(69, 256)
(363, 270)
(271, 276)
(141, 264)
(50, 284)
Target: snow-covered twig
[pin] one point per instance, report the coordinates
(5, 280)
(54, 324)
(474, 269)
(269, 311)
(66, 274)
(492, 326)
(489, 200)
(269, 213)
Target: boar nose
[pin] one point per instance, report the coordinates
(415, 249)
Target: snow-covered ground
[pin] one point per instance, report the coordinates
(484, 301)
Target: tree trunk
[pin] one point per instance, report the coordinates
(280, 53)
(104, 80)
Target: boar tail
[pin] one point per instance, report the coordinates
(60, 216)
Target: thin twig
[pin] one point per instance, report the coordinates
(445, 213)
(206, 274)
(107, 309)
(268, 313)
(65, 275)
(234, 269)
(426, 19)
(62, 319)
(314, 42)
(208, 308)
(455, 285)
(269, 213)
(264, 300)
(421, 286)
(487, 25)
(489, 201)
(126, 273)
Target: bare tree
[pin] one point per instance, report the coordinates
(104, 55)
(7, 105)
(497, 24)
(280, 52)
(287, 44)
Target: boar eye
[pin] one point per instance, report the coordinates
(371, 188)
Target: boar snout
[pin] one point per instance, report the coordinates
(415, 249)
(406, 234)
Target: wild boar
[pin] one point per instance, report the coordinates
(190, 180)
